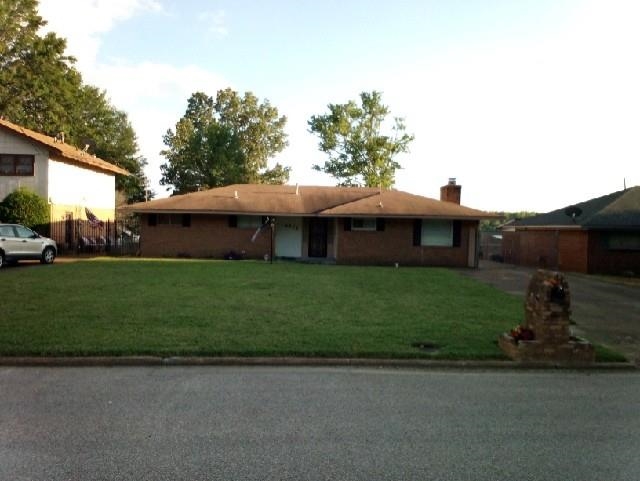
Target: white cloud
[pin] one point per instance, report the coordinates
(215, 22)
(82, 22)
(154, 95)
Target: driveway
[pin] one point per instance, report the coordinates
(606, 309)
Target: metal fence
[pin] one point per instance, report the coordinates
(77, 237)
(491, 245)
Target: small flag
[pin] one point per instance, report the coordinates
(93, 220)
(267, 223)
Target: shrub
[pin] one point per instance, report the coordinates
(24, 206)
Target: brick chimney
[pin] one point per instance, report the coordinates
(451, 191)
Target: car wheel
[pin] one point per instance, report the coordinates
(1, 259)
(48, 255)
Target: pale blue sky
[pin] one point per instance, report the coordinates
(530, 104)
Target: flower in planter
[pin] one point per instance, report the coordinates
(521, 333)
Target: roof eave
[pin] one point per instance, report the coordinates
(59, 156)
(142, 210)
(549, 227)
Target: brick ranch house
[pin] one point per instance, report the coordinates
(346, 225)
(598, 236)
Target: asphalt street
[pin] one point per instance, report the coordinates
(277, 423)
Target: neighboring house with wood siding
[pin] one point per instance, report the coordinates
(346, 225)
(70, 179)
(598, 236)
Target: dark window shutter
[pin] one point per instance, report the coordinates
(152, 220)
(186, 220)
(379, 224)
(347, 223)
(417, 232)
(233, 221)
(457, 231)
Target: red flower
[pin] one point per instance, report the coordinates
(521, 333)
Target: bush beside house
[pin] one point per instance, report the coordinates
(23, 206)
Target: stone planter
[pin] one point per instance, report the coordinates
(547, 315)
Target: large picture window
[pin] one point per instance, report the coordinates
(437, 233)
(16, 165)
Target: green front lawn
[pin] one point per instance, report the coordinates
(216, 308)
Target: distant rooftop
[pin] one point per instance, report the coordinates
(616, 210)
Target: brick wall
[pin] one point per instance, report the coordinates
(510, 250)
(573, 251)
(395, 244)
(531, 248)
(602, 260)
(210, 236)
(207, 236)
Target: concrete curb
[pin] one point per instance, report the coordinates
(135, 361)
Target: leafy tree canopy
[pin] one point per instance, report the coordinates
(360, 154)
(222, 141)
(23, 206)
(41, 90)
(493, 224)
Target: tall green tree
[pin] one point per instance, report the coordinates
(110, 136)
(38, 83)
(493, 224)
(41, 89)
(360, 153)
(224, 141)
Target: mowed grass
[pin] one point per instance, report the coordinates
(224, 308)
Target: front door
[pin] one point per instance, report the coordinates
(317, 237)
(289, 237)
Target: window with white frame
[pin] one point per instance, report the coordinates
(363, 223)
(437, 233)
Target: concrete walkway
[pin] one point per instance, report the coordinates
(606, 309)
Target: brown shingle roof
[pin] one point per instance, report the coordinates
(63, 151)
(310, 201)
